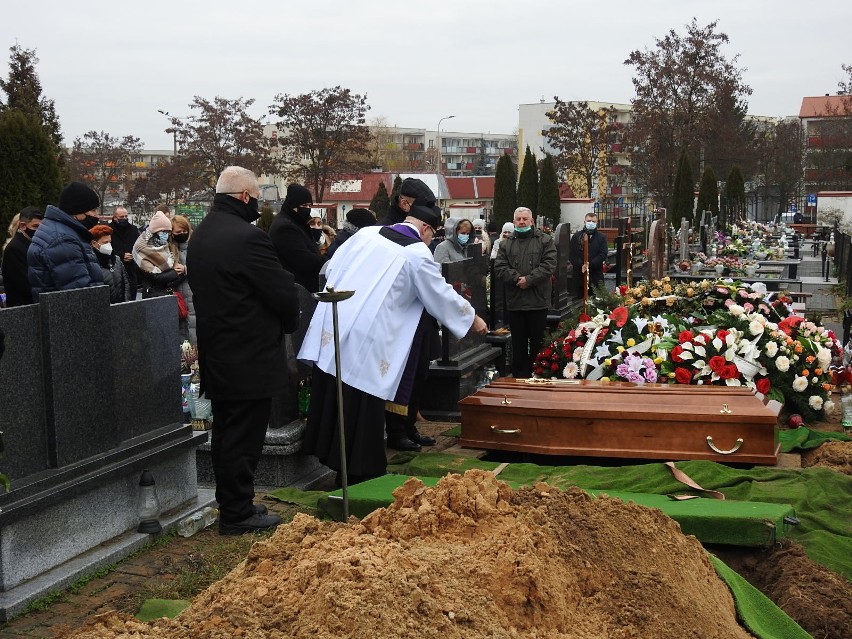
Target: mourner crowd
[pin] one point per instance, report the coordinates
(237, 298)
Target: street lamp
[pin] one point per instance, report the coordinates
(440, 167)
(171, 130)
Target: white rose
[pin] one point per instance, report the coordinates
(800, 383)
(823, 357)
(771, 348)
(815, 402)
(828, 406)
(755, 327)
(782, 364)
(736, 310)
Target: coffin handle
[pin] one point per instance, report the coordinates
(715, 449)
(505, 431)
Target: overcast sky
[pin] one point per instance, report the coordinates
(111, 65)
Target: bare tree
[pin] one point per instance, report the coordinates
(582, 136)
(222, 133)
(679, 85)
(104, 162)
(324, 135)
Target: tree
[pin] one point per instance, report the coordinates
(104, 162)
(171, 181)
(221, 133)
(582, 136)
(683, 195)
(548, 190)
(28, 166)
(397, 185)
(505, 196)
(324, 135)
(266, 217)
(734, 195)
(380, 202)
(779, 169)
(481, 166)
(528, 183)
(23, 93)
(708, 192)
(679, 88)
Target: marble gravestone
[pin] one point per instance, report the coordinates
(561, 302)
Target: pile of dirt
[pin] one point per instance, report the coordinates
(836, 456)
(468, 558)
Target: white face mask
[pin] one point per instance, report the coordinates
(106, 249)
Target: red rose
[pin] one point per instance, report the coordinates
(619, 315)
(676, 351)
(682, 375)
(547, 352)
(716, 363)
(622, 290)
(584, 318)
(601, 335)
(763, 385)
(685, 336)
(554, 366)
(729, 371)
(722, 334)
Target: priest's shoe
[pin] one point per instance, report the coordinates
(423, 440)
(403, 443)
(255, 523)
(260, 509)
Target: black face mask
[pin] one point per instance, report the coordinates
(30, 232)
(316, 234)
(122, 223)
(253, 209)
(90, 222)
(303, 213)
(180, 238)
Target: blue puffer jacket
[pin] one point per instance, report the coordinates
(60, 256)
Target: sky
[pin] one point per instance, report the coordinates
(110, 66)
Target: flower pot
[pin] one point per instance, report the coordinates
(750, 271)
(720, 269)
(696, 267)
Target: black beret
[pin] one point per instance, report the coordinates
(412, 187)
(361, 217)
(429, 214)
(78, 198)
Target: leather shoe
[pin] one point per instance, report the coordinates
(403, 443)
(260, 509)
(255, 523)
(423, 440)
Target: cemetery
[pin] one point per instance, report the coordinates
(680, 388)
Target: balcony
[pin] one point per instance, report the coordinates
(615, 148)
(415, 146)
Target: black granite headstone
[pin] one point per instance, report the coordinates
(560, 300)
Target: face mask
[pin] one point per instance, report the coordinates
(523, 230)
(463, 238)
(122, 223)
(304, 214)
(30, 232)
(591, 226)
(89, 222)
(180, 238)
(253, 207)
(163, 236)
(106, 249)
(317, 235)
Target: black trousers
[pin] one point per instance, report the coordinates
(527, 329)
(399, 426)
(236, 443)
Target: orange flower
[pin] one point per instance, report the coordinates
(798, 347)
(805, 372)
(809, 359)
(826, 387)
(817, 372)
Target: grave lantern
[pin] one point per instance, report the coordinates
(149, 505)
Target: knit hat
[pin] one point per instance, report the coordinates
(479, 223)
(100, 230)
(507, 227)
(361, 217)
(160, 222)
(297, 195)
(78, 198)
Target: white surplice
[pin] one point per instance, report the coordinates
(393, 284)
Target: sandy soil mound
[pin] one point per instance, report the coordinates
(834, 455)
(469, 558)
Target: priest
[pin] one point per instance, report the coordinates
(397, 285)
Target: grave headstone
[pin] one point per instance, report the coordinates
(560, 305)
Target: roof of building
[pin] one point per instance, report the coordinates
(479, 187)
(360, 188)
(826, 106)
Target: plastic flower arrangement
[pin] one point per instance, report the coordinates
(710, 332)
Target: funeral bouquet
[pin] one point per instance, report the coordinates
(719, 333)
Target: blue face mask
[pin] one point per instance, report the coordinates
(525, 229)
(591, 226)
(163, 236)
(463, 238)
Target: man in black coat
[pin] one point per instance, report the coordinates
(244, 304)
(124, 236)
(598, 252)
(291, 235)
(15, 281)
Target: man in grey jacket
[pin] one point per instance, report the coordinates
(525, 263)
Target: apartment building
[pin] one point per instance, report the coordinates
(827, 127)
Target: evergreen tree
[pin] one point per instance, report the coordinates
(397, 185)
(380, 202)
(28, 166)
(266, 217)
(683, 196)
(505, 196)
(708, 192)
(528, 183)
(481, 167)
(735, 197)
(548, 191)
(23, 93)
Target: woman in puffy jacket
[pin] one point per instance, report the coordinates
(158, 261)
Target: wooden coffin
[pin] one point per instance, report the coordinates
(620, 419)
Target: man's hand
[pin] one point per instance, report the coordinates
(128, 257)
(522, 282)
(479, 326)
(180, 269)
(585, 266)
